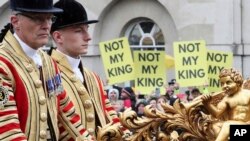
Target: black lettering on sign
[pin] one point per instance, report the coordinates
(189, 47)
(113, 46)
(116, 71)
(214, 82)
(149, 69)
(189, 74)
(116, 58)
(150, 57)
(216, 57)
(150, 82)
(188, 60)
(214, 69)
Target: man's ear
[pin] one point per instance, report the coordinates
(15, 22)
(57, 37)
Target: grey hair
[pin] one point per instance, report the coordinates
(113, 90)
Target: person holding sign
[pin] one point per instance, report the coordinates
(70, 33)
(235, 106)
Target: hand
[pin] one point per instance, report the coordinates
(206, 98)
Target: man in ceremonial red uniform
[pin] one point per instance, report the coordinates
(85, 88)
(32, 98)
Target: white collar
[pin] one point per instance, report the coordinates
(32, 53)
(74, 63)
(27, 49)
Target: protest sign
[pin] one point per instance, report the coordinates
(150, 71)
(117, 60)
(217, 60)
(190, 63)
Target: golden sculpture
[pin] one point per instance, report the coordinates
(234, 107)
(110, 132)
(207, 118)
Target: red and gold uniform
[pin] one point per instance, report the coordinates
(89, 97)
(32, 100)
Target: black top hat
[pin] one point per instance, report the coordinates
(73, 13)
(40, 6)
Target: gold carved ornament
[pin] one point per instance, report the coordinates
(189, 118)
(192, 121)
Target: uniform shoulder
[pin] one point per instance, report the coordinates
(88, 71)
(6, 67)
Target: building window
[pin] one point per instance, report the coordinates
(145, 35)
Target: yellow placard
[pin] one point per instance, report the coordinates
(117, 60)
(217, 60)
(150, 71)
(190, 63)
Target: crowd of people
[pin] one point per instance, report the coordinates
(122, 98)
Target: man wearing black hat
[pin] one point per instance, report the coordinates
(70, 33)
(32, 99)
